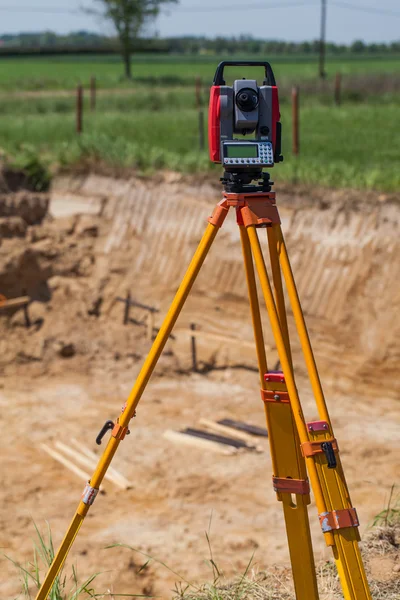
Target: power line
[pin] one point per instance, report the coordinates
(189, 9)
(39, 9)
(322, 73)
(367, 9)
(242, 7)
(208, 9)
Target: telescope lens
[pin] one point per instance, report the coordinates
(247, 99)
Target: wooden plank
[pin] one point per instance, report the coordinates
(188, 440)
(229, 431)
(115, 477)
(95, 458)
(218, 337)
(14, 302)
(215, 437)
(239, 425)
(67, 463)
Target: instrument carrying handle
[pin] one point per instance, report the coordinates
(219, 74)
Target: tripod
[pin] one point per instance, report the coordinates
(297, 448)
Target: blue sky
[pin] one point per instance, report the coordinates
(298, 20)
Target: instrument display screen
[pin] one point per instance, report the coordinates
(241, 150)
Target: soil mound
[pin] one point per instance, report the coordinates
(98, 237)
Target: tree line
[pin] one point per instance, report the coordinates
(194, 45)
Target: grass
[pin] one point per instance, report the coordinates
(390, 515)
(154, 125)
(383, 540)
(350, 146)
(64, 72)
(64, 588)
(276, 583)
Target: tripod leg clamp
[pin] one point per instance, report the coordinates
(275, 389)
(286, 485)
(275, 396)
(119, 432)
(338, 519)
(312, 448)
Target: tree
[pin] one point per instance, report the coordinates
(357, 47)
(129, 18)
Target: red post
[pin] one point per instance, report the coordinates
(198, 93)
(79, 109)
(93, 90)
(338, 89)
(198, 90)
(295, 121)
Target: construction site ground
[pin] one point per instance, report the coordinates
(93, 238)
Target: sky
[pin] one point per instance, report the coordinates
(293, 20)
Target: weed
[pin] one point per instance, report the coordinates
(65, 587)
(28, 161)
(390, 515)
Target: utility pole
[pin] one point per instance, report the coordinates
(322, 73)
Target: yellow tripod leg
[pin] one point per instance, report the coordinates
(254, 305)
(121, 426)
(346, 551)
(279, 296)
(285, 453)
(287, 368)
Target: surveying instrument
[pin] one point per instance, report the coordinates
(305, 455)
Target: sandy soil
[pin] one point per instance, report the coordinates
(73, 368)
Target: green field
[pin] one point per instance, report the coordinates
(152, 122)
(18, 74)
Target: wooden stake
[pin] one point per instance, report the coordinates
(193, 348)
(201, 130)
(93, 87)
(199, 106)
(127, 307)
(338, 89)
(198, 93)
(79, 109)
(150, 325)
(322, 48)
(295, 121)
(26, 315)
